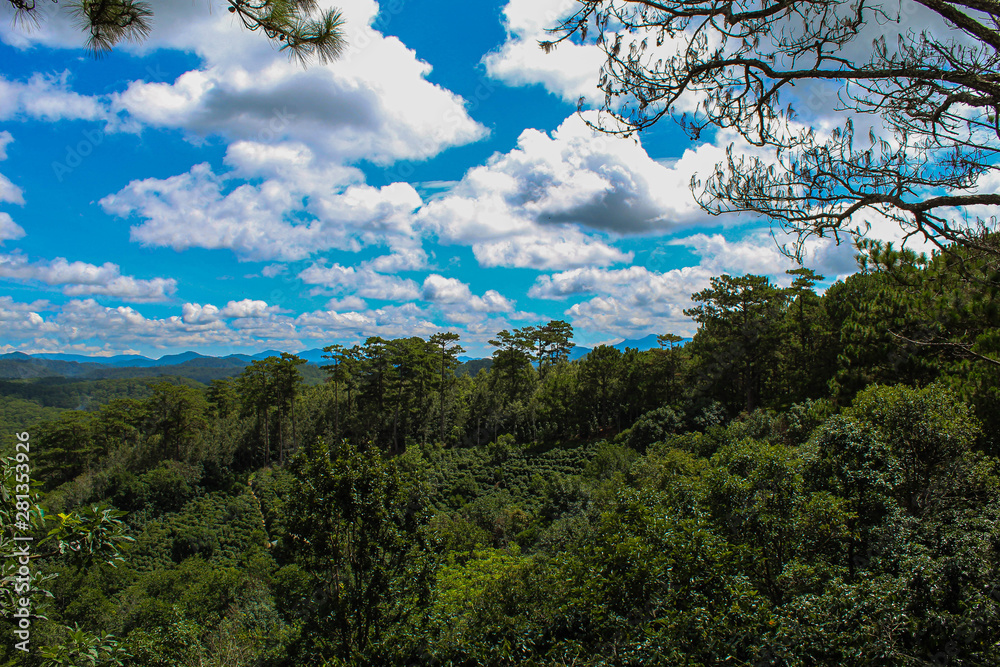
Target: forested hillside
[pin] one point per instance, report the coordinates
(812, 480)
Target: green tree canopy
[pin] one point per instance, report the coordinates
(355, 523)
(740, 319)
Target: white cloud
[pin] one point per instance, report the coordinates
(272, 270)
(128, 288)
(540, 204)
(389, 321)
(81, 278)
(306, 207)
(570, 71)
(22, 318)
(547, 250)
(195, 313)
(362, 282)
(439, 289)
(636, 301)
(755, 253)
(373, 103)
(292, 131)
(247, 308)
(346, 303)
(83, 320)
(457, 302)
(401, 259)
(628, 301)
(85, 325)
(9, 230)
(575, 176)
(47, 97)
(9, 192)
(5, 140)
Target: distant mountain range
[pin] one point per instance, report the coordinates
(139, 361)
(203, 368)
(641, 344)
(578, 352)
(17, 365)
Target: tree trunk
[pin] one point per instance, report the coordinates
(442, 397)
(281, 436)
(336, 410)
(295, 435)
(267, 437)
(395, 418)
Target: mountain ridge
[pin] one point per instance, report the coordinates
(19, 364)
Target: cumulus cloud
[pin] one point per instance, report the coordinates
(195, 313)
(290, 190)
(389, 321)
(374, 103)
(271, 220)
(23, 319)
(86, 326)
(247, 308)
(81, 278)
(636, 300)
(5, 139)
(756, 253)
(9, 192)
(546, 250)
(272, 270)
(546, 203)
(574, 176)
(49, 98)
(457, 302)
(630, 301)
(248, 317)
(557, 201)
(362, 282)
(570, 71)
(9, 230)
(346, 303)
(439, 289)
(401, 259)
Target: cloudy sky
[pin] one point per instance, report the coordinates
(202, 192)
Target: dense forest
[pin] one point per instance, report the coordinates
(812, 480)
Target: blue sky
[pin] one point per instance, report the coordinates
(201, 192)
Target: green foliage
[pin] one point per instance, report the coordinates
(740, 327)
(652, 427)
(356, 527)
(922, 429)
(217, 527)
(648, 588)
(84, 649)
(480, 521)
